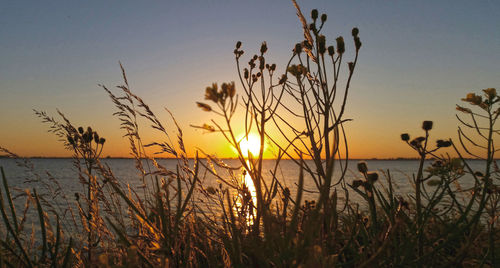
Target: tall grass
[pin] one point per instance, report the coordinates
(262, 222)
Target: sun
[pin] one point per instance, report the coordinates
(250, 144)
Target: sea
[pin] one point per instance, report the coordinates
(31, 173)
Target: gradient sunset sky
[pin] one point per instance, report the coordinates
(418, 59)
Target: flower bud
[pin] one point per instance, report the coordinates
(405, 137)
(263, 48)
(355, 31)
(323, 18)
(273, 67)
(340, 45)
(312, 27)
(238, 44)
(321, 44)
(314, 14)
(427, 125)
(96, 137)
(298, 48)
(80, 130)
(362, 167)
(102, 141)
(331, 50)
(246, 73)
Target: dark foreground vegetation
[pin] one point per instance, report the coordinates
(164, 223)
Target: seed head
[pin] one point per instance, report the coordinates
(298, 48)
(314, 14)
(312, 27)
(80, 130)
(331, 50)
(246, 73)
(238, 44)
(263, 48)
(323, 18)
(321, 44)
(442, 143)
(405, 137)
(96, 137)
(340, 45)
(355, 31)
(427, 125)
(491, 93)
(102, 141)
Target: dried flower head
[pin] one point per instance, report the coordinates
(331, 50)
(323, 18)
(491, 93)
(340, 45)
(321, 44)
(355, 31)
(263, 48)
(473, 99)
(298, 48)
(427, 125)
(314, 14)
(405, 137)
(442, 143)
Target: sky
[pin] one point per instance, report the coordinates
(418, 59)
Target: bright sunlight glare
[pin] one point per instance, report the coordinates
(250, 144)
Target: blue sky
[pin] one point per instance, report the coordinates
(418, 59)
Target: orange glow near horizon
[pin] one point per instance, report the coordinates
(250, 144)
